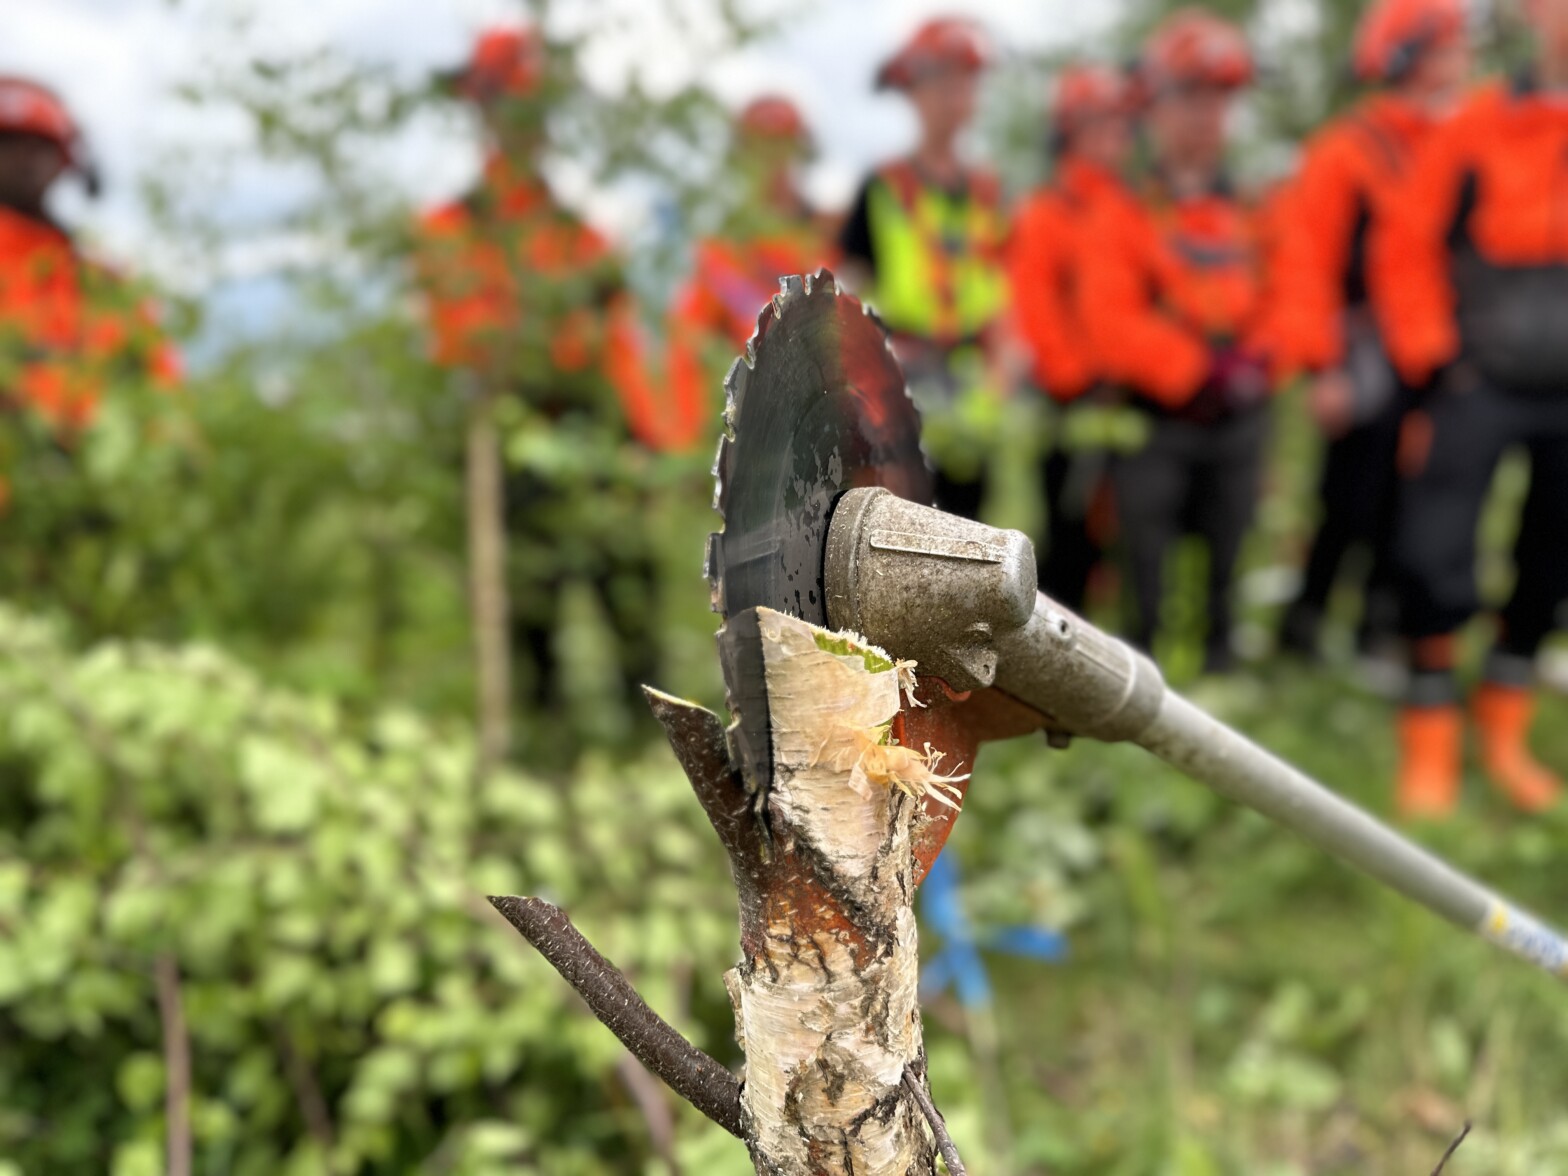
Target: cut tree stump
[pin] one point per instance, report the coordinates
(826, 993)
(825, 869)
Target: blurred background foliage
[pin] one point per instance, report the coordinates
(235, 712)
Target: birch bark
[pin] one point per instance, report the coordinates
(825, 996)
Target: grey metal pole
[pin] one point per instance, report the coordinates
(1101, 688)
(1207, 750)
(960, 598)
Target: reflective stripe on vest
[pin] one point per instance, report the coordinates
(938, 259)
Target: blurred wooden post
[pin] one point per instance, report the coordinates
(486, 509)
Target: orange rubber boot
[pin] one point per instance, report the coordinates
(1502, 717)
(1431, 742)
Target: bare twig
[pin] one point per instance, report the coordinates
(916, 1086)
(692, 1074)
(176, 1065)
(1452, 1148)
(696, 736)
(307, 1089)
(652, 1103)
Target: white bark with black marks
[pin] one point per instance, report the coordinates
(828, 1010)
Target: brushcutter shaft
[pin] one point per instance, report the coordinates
(959, 598)
(1187, 738)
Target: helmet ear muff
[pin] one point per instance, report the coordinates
(92, 177)
(1405, 56)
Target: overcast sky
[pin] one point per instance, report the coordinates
(117, 62)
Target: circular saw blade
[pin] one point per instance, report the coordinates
(817, 406)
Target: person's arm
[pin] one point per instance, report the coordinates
(1138, 343)
(1408, 253)
(1045, 314)
(695, 320)
(855, 258)
(1317, 231)
(665, 424)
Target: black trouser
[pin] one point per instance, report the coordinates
(1356, 495)
(957, 496)
(1191, 479)
(1073, 480)
(620, 571)
(1440, 512)
(932, 372)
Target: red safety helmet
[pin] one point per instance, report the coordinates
(938, 46)
(1393, 34)
(1084, 92)
(772, 116)
(1193, 47)
(26, 108)
(505, 62)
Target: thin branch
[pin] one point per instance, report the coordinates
(696, 736)
(1452, 1148)
(307, 1089)
(653, 1104)
(176, 1065)
(944, 1142)
(692, 1074)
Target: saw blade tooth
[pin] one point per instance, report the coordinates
(822, 285)
(735, 392)
(713, 570)
(721, 466)
(769, 314)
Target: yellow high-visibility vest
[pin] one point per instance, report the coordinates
(939, 265)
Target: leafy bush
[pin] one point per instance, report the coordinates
(352, 1002)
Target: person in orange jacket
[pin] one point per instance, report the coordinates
(1470, 283)
(735, 274)
(518, 287)
(924, 244)
(68, 327)
(1174, 303)
(1091, 135)
(529, 305)
(1418, 53)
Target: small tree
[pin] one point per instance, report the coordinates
(825, 867)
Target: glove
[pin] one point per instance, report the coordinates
(1457, 377)
(1237, 380)
(1331, 397)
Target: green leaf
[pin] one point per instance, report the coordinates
(139, 1081)
(143, 1157)
(394, 966)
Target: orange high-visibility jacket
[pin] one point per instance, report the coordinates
(478, 256)
(730, 284)
(1475, 260)
(68, 328)
(1164, 281)
(1349, 170)
(1045, 256)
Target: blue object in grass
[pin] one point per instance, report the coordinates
(958, 965)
